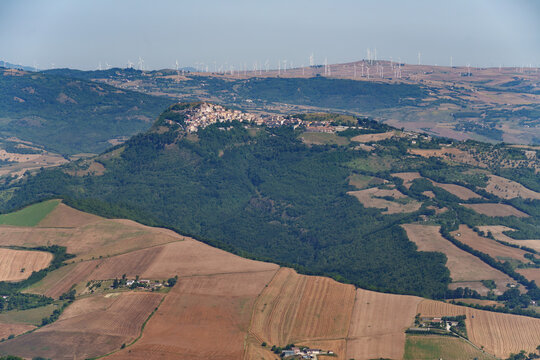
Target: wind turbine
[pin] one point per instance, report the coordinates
(311, 60)
(141, 63)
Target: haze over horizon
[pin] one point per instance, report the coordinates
(62, 33)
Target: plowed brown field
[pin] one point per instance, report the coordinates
(495, 210)
(378, 325)
(202, 317)
(17, 265)
(488, 246)
(88, 331)
(500, 334)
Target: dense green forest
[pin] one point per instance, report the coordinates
(70, 116)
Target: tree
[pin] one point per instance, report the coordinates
(171, 282)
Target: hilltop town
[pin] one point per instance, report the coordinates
(205, 114)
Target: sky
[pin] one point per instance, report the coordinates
(82, 33)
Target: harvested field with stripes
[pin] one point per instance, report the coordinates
(378, 325)
(202, 317)
(296, 308)
(500, 334)
(17, 265)
(92, 327)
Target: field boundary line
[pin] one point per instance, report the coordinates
(140, 333)
(253, 309)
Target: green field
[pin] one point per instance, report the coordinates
(418, 347)
(323, 139)
(30, 215)
(30, 316)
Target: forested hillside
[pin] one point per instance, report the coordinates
(265, 194)
(70, 116)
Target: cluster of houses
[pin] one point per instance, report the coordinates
(304, 353)
(207, 114)
(429, 323)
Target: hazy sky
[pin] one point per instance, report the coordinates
(80, 34)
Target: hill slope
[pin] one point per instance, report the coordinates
(222, 306)
(69, 115)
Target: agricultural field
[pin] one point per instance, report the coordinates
(498, 233)
(63, 216)
(88, 329)
(87, 236)
(466, 270)
(31, 317)
(17, 164)
(499, 334)
(298, 308)
(17, 265)
(508, 189)
(449, 154)
(378, 325)
(495, 210)
(319, 138)
(30, 215)
(202, 317)
(224, 306)
(531, 274)
(7, 329)
(491, 247)
(364, 181)
(428, 347)
(408, 177)
(461, 192)
(380, 198)
(368, 138)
